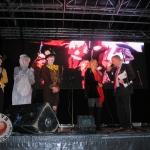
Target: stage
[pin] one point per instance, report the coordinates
(107, 139)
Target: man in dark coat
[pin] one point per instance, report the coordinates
(50, 74)
(123, 90)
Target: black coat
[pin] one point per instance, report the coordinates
(130, 77)
(38, 78)
(90, 85)
(46, 74)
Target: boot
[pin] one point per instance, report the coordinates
(98, 118)
(91, 111)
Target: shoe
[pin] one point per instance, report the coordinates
(120, 129)
(128, 129)
(99, 129)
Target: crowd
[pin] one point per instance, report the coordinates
(44, 76)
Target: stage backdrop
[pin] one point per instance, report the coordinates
(73, 57)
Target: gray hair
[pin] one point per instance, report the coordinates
(117, 57)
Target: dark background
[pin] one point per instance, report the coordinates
(140, 100)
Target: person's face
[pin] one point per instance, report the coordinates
(51, 59)
(27, 62)
(42, 61)
(115, 62)
(83, 65)
(106, 63)
(95, 64)
(47, 52)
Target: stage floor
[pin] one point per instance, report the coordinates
(108, 139)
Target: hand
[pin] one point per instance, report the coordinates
(121, 81)
(55, 89)
(42, 82)
(108, 68)
(100, 85)
(21, 72)
(31, 69)
(99, 68)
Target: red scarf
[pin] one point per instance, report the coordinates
(99, 89)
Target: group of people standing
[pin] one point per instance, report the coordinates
(44, 75)
(122, 89)
(48, 77)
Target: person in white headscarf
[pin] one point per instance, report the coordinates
(23, 79)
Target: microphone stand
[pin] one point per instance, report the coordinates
(41, 45)
(91, 54)
(92, 51)
(71, 86)
(140, 79)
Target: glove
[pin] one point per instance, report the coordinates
(31, 69)
(22, 72)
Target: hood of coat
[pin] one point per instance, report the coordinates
(22, 61)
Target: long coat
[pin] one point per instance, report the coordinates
(38, 78)
(91, 85)
(49, 76)
(17, 98)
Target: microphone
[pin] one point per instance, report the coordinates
(112, 65)
(131, 82)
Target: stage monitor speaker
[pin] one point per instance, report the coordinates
(35, 118)
(86, 124)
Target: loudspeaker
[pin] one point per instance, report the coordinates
(32, 118)
(86, 124)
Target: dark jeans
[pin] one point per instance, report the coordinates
(1, 100)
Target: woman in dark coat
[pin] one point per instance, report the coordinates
(94, 91)
(37, 93)
(51, 77)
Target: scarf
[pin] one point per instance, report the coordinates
(53, 67)
(99, 89)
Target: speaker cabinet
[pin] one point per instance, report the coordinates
(86, 124)
(32, 118)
